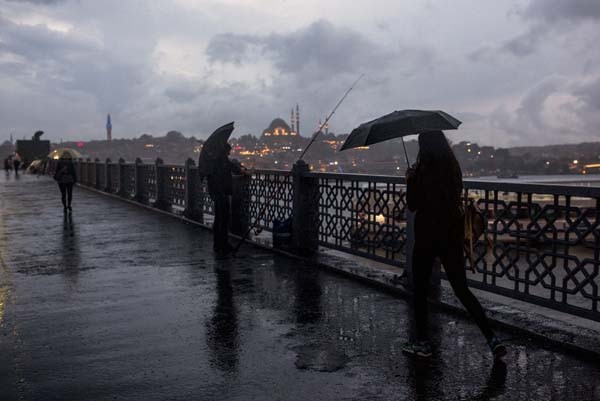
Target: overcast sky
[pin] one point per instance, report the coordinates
(519, 72)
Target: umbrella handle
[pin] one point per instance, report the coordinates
(405, 153)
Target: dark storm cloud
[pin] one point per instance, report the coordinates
(320, 47)
(549, 16)
(556, 10)
(37, 44)
(546, 18)
(52, 59)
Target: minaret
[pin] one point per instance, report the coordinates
(292, 120)
(11, 139)
(297, 119)
(108, 128)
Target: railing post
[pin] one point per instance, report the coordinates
(139, 184)
(97, 173)
(159, 183)
(240, 205)
(191, 202)
(107, 176)
(305, 223)
(121, 191)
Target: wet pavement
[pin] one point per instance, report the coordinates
(117, 302)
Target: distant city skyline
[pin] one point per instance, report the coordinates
(516, 72)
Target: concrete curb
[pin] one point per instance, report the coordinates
(552, 332)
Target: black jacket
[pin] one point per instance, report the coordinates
(436, 198)
(64, 169)
(220, 181)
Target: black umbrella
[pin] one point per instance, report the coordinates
(213, 147)
(399, 124)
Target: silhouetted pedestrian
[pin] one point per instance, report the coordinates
(434, 191)
(16, 162)
(220, 183)
(7, 165)
(65, 177)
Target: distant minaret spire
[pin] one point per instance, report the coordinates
(297, 119)
(292, 120)
(108, 128)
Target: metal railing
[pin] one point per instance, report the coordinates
(545, 239)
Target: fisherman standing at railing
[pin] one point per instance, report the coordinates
(220, 185)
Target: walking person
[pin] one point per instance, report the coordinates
(434, 189)
(220, 185)
(16, 162)
(7, 165)
(65, 177)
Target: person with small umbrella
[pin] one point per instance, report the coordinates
(214, 163)
(434, 194)
(66, 177)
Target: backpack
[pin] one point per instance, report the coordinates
(475, 226)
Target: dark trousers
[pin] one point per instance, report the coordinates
(450, 253)
(66, 194)
(221, 223)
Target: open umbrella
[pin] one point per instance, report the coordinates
(399, 124)
(213, 146)
(64, 152)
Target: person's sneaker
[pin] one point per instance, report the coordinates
(497, 347)
(421, 348)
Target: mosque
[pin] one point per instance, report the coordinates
(279, 129)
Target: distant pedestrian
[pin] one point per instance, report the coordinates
(434, 191)
(16, 162)
(7, 165)
(220, 184)
(65, 177)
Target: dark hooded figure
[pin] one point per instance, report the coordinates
(220, 185)
(65, 177)
(434, 192)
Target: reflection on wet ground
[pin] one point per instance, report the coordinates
(115, 302)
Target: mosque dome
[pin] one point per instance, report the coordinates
(278, 127)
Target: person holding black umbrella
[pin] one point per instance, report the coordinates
(220, 184)
(434, 192)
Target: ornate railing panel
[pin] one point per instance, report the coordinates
(101, 175)
(148, 183)
(545, 244)
(114, 177)
(129, 180)
(91, 173)
(271, 195)
(174, 179)
(364, 215)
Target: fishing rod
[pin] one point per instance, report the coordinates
(264, 208)
(316, 134)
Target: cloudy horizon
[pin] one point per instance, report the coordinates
(523, 72)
